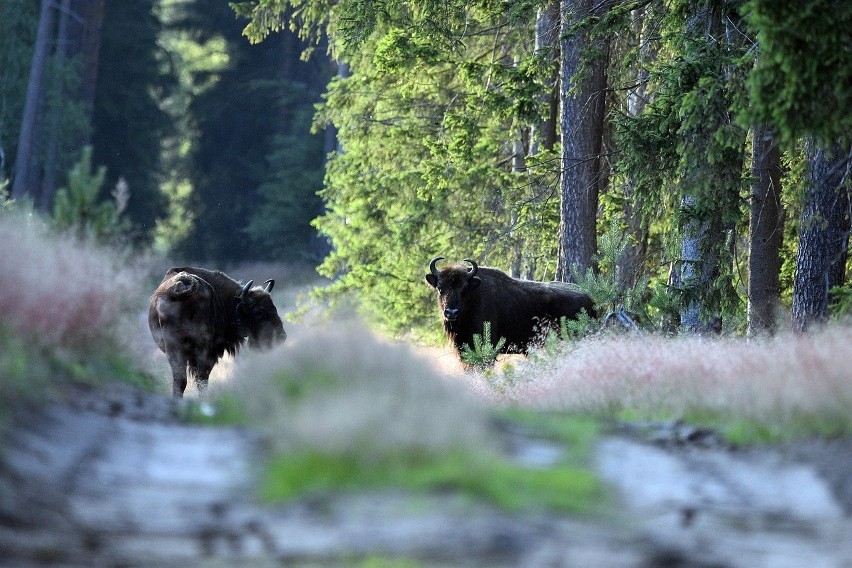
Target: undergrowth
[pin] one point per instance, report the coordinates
(369, 415)
(755, 391)
(66, 308)
(484, 352)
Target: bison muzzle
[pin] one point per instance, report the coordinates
(198, 315)
(520, 311)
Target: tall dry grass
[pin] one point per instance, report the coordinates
(337, 388)
(64, 304)
(55, 289)
(776, 381)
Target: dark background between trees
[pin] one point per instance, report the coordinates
(210, 133)
(689, 159)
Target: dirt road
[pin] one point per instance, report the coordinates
(115, 479)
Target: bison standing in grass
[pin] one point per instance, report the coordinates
(520, 311)
(198, 315)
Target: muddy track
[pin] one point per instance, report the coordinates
(113, 478)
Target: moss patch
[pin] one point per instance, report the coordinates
(564, 487)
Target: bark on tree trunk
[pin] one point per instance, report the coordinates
(823, 234)
(766, 224)
(48, 182)
(543, 134)
(25, 174)
(700, 265)
(582, 92)
(632, 260)
(93, 19)
(711, 193)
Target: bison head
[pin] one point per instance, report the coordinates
(453, 284)
(257, 317)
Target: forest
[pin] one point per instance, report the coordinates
(685, 163)
(686, 160)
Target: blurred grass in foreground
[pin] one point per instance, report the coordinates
(65, 308)
(753, 391)
(345, 411)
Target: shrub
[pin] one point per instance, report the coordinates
(484, 352)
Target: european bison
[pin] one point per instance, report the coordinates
(521, 311)
(198, 315)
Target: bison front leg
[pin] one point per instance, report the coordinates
(202, 374)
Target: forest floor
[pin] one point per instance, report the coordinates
(112, 477)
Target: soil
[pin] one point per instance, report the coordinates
(114, 478)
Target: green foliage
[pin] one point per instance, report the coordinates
(747, 431)
(576, 432)
(369, 415)
(562, 487)
(281, 225)
(17, 37)
(684, 152)
(804, 69)
(439, 96)
(578, 328)
(425, 167)
(79, 207)
(509, 486)
(841, 302)
(66, 306)
(131, 128)
(605, 285)
(484, 352)
(253, 167)
(22, 375)
(226, 410)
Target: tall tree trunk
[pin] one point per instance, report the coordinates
(711, 186)
(823, 233)
(632, 260)
(543, 134)
(519, 166)
(48, 181)
(699, 269)
(90, 48)
(25, 172)
(766, 230)
(583, 95)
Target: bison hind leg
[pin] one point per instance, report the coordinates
(179, 365)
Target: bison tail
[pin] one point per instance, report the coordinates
(181, 286)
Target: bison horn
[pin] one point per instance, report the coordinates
(472, 272)
(432, 264)
(246, 288)
(268, 285)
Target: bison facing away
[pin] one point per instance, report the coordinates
(198, 315)
(521, 311)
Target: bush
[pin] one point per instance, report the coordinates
(484, 353)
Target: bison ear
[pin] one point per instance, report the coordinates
(432, 280)
(473, 283)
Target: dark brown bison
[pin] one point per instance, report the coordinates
(521, 311)
(198, 315)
